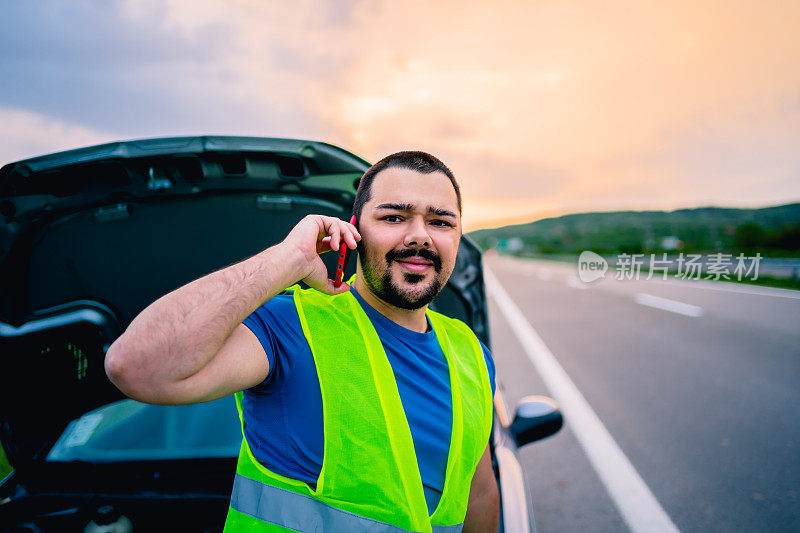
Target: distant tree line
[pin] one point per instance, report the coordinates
(753, 237)
(772, 231)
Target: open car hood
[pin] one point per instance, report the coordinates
(90, 237)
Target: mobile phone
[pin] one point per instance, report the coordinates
(337, 280)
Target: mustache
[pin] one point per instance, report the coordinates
(433, 257)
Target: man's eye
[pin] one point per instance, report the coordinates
(441, 223)
(392, 218)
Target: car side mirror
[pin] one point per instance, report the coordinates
(536, 417)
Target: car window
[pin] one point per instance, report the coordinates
(128, 430)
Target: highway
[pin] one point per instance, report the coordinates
(695, 386)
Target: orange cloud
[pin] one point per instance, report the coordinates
(538, 107)
(612, 99)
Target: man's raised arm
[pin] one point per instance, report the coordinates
(190, 346)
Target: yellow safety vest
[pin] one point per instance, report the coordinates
(370, 479)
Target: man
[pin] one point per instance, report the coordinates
(361, 409)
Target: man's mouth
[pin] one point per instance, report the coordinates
(416, 261)
(415, 264)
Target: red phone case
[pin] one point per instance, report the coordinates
(337, 280)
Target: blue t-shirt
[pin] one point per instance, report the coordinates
(283, 414)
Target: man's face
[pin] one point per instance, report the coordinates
(410, 231)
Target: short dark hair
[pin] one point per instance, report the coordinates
(413, 160)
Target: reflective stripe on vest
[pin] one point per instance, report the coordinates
(369, 472)
(303, 513)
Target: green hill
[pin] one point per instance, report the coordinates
(772, 231)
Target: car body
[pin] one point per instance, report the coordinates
(88, 239)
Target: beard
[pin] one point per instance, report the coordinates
(378, 278)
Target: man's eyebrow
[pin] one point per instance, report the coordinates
(438, 211)
(396, 207)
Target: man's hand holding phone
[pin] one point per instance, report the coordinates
(315, 235)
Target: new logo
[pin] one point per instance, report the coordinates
(591, 266)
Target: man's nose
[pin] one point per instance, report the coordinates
(417, 234)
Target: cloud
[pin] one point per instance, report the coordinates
(24, 134)
(170, 68)
(100, 68)
(574, 105)
(648, 104)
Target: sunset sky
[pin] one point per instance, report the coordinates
(539, 108)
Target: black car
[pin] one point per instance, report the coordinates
(88, 239)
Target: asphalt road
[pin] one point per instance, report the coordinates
(698, 383)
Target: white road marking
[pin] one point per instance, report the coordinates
(666, 304)
(637, 505)
(575, 283)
